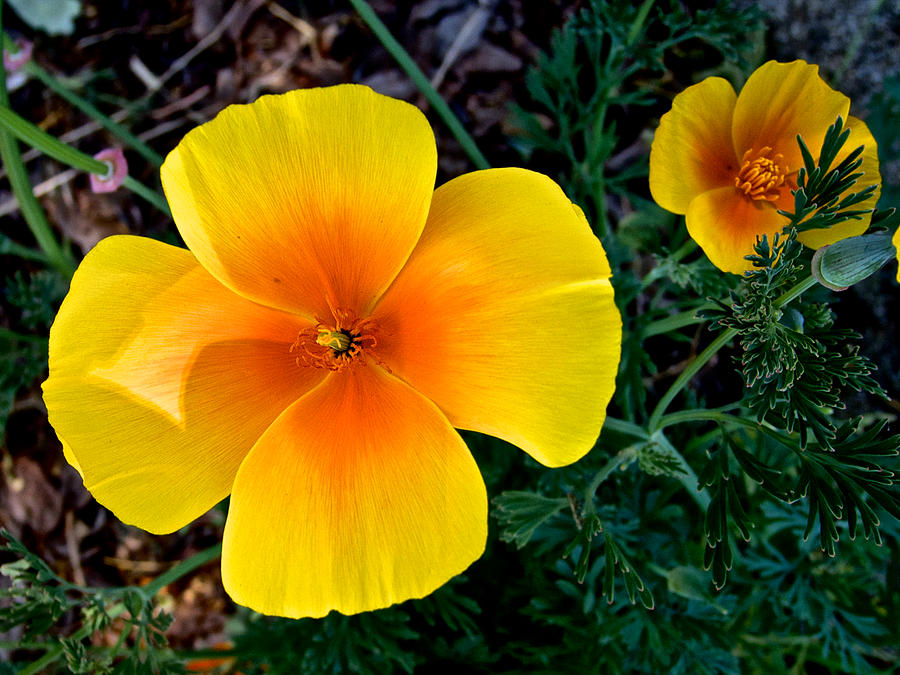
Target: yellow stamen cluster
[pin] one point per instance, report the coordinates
(763, 176)
(335, 345)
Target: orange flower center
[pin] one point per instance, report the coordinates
(763, 176)
(334, 345)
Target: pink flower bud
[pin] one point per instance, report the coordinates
(117, 169)
(12, 61)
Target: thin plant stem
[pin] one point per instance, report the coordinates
(53, 147)
(15, 644)
(55, 651)
(38, 666)
(798, 290)
(9, 247)
(152, 197)
(592, 135)
(703, 414)
(404, 60)
(684, 250)
(694, 366)
(22, 189)
(7, 334)
(676, 321)
(625, 427)
(687, 477)
(639, 20)
(89, 109)
(181, 569)
(719, 416)
(624, 456)
(687, 375)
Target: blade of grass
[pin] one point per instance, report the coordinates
(181, 569)
(9, 247)
(404, 60)
(22, 189)
(40, 139)
(89, 109)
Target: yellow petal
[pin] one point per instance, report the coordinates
(161, 379)
(70, 458)
(311, 193)
(692, 149)
(859, 135)
(359, 496)
(504, 315)
(781, 100)
(896, 241)
(725, 224)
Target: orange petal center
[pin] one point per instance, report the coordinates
(763, 176)
(337, 343)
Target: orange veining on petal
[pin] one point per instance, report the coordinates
(761, 175)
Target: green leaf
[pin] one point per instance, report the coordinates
(521, 513)
(37, 296)
(691, 583)
(56, 17)
(823, 197)
(21, 362)
(657, 457)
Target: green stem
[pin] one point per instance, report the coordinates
(152, 197)
(688, 478)
(639, 20)
(694, 366)
(22, 189)
(31, 209)
(89, 109)
(676, 321)
(687, 374)
(404, 60)
(56, 651)
(798, 290)
(719, 416)
(624, 427)
(181, 569)
(53, 147)
(597, 165)
(35, 646)
(38, 666)
(9, 247)
(6, 334)
(705, 415)
(623, 456)
(684, 250)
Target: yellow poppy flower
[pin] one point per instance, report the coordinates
(334, 319)
(729, 162)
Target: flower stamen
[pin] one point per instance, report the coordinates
(763, 176)
(338, 340)
(334, 346)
